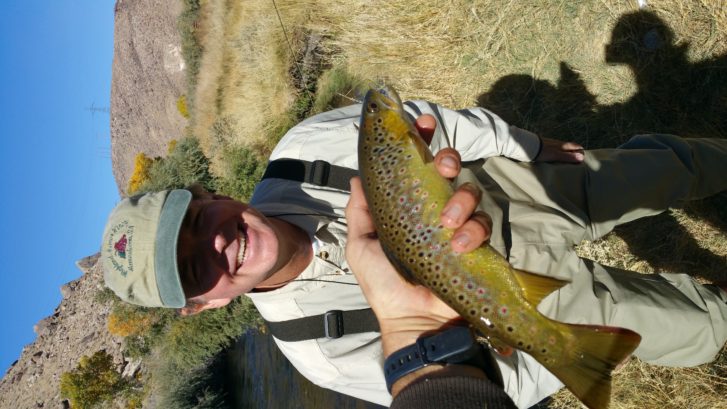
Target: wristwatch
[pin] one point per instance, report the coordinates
(456, 345)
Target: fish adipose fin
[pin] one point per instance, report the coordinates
(535, 287)
(600, 349)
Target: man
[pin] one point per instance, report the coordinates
(285, 250)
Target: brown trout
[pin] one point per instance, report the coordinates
(406, 196)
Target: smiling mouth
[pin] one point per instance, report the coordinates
(242, 239)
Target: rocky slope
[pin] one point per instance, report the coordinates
(77, 327)
(148, 77)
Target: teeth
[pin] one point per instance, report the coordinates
(242, 239)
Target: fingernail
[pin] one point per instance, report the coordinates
(449, 162)
(463, 239)
(452, 213)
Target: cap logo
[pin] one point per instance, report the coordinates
(119, 247)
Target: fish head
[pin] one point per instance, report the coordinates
(384, 122)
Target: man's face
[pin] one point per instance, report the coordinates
(225, 249)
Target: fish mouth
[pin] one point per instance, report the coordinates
(386, 97)
(242, 240)
(392, 99)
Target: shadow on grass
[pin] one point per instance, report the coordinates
(674, 96)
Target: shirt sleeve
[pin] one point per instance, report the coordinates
(477, 133)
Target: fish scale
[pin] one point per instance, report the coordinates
(406, 196)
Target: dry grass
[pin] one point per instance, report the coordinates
(541, 65)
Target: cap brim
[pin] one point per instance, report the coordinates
(165, 261)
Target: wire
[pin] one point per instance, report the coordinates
(290, 47)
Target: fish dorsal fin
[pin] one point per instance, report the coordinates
(535, 287)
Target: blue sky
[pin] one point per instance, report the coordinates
(55, 65)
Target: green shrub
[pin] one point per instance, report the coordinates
(338, 88)
(105, 296)
(185, 165)
(243, 171)
(191, 341)
(94, 381)
(203, 387)
(189, 359)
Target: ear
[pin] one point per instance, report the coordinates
(191, 309)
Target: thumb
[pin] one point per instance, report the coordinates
(357, 212)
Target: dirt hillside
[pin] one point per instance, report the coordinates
(148, 77)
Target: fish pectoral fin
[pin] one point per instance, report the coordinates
(535, 287)
(422, 148)
(500, 346)
(403, 271)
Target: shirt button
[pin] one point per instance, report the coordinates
(323, 254)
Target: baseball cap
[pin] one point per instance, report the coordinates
(139, 248)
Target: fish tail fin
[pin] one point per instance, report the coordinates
(599, 350)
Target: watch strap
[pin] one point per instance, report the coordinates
(452, 346)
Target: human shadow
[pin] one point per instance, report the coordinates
(674, 96)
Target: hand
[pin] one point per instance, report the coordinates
(558, 151)
(473, 229)
(404, 310)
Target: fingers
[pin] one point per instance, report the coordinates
(473, 233)
(571, 157)
(473, 228)
(571, 152)
(426, 124)
(448, 163)
(558, 151)
(571, 146)
(357, 212)
(461, 205)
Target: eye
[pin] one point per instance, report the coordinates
(372, 108)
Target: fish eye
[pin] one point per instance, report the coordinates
(372, 108)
